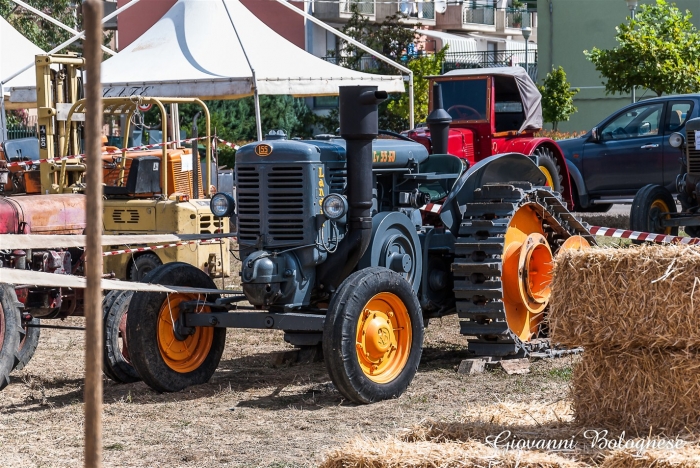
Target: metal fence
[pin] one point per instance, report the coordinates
(15, 132)
(498, 58)
(420, 9)
(516, 18)
(474, 13)
(365, 7)
(366, 63)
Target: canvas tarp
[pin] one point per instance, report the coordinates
(16, 52)
(529, 95)
(194, 51)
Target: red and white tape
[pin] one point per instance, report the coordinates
(642, 236)
(431, 208)
(119, 151)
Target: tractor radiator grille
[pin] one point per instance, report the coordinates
(285, 204)
(248, 204)
(693, 154)
(125, 216)
(337, 179)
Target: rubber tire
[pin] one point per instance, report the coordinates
(546, 158)
(28, 344)
(641, 205)
(143, 265)
(141, 331)
(115, 366)
(340, 329)
(12, 335)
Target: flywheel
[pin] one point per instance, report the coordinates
(507, 241)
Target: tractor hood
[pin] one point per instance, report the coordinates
(529, 95)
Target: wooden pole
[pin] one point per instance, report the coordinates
(92, 15)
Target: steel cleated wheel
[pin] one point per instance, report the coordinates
(503, 265)
(165, 358)
(373, 336)
(650, 206)
(10, 332)
(117, 364)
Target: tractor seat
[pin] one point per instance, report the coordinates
(446, 164)
(22, 149)
(143, 178)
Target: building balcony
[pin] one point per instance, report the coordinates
(470, 16)
(490, 59)
(415, 11)
(342, 11)
(511, 21)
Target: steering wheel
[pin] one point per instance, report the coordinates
(462, 116)
(620, 131)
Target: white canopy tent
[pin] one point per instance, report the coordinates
(217, 49)
(15, 52)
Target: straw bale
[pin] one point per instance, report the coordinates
(638, 391)
(640, 297)
(688, 457)
(393, 453)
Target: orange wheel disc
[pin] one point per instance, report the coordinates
(182, 355)
(384, 337)
(657, 208)
(575, 243)
(527, 273)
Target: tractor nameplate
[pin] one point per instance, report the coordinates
(383, 156)
(263, 150)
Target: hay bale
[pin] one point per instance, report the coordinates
(392, 453)
(638, 391)
(684, 458)
(642, 297)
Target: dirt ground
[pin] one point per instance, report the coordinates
(251, 413)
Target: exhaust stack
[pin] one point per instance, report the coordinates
(439, 122)
(359, 125)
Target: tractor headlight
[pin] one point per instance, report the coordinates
(676, 139)
(335, 206)
(222, 205)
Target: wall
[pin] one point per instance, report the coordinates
(574, 26)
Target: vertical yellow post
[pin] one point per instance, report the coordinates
(92, 14)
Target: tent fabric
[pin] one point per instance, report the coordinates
(16, 52)
(193, 51)
(529, 94)
(460, 49)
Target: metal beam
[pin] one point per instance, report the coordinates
(370, 51)
(292, 321)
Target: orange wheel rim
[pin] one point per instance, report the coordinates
(527, 273)
(658, 207)
(547, 176)
(384, 336)
(182, 355)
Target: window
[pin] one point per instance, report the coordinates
(325, 102)
(638, 122)
(465, 99)
(677, 115)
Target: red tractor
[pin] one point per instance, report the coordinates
(490, 111)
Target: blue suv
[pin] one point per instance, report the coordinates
(627, 151)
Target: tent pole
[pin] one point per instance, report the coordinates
(256, 97)
(360, 45)
(3, 117)
(411, 104)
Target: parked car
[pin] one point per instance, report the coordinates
(627, 151)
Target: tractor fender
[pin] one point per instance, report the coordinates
(579, 185)
(502, 168)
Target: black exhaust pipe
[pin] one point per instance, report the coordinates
(359, 125)
(439, 122)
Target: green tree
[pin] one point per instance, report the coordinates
(557, 98)
(41, 32)
(658, 50)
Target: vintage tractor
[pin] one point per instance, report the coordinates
(146, 192)
(496, 111)
(337, 252)
(654, 208)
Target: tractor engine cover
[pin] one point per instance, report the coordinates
(42, 214)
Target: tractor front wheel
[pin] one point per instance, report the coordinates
(651, 205)
(167, 360)
(373, 335)
(117, 364)
(10, 332)
(550, 168)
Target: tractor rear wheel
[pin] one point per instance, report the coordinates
(117, 365)
(650, 206)
(10, 332)
(373, 335)
(29, 343)
(142, 265)
(165, 360)
(549, 167)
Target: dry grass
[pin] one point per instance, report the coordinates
(642, 297)
(686, 458)
(638, 390)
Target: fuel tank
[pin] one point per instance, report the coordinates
(42, 214)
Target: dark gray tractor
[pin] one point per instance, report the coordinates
(353, 244)
(654, 209)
